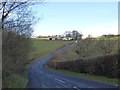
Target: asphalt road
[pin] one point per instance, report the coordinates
(41, 77)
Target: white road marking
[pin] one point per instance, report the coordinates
(116, 84)
(59, 80)
(76, 88)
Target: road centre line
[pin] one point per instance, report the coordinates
(76, 88)
(59, 80)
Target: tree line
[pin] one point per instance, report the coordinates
(72, 35)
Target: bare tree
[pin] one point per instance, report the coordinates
(17, 16)
(9, 7)
(75, 34)
(68, 34)
(106, 46)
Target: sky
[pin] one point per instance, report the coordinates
(94, 18)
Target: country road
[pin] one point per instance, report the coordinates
(41, 77)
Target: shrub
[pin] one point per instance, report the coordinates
(15, 52)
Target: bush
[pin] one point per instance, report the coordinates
(15, 52)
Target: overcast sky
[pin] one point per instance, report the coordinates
(95, 18)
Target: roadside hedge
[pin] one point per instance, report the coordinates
(103, 65)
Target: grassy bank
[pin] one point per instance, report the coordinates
(88, 76)
(15, 81)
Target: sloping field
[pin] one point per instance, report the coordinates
(41, 47)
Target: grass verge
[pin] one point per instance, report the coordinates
(88, 76)
(15, 81)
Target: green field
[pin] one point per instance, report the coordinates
(42, 47)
